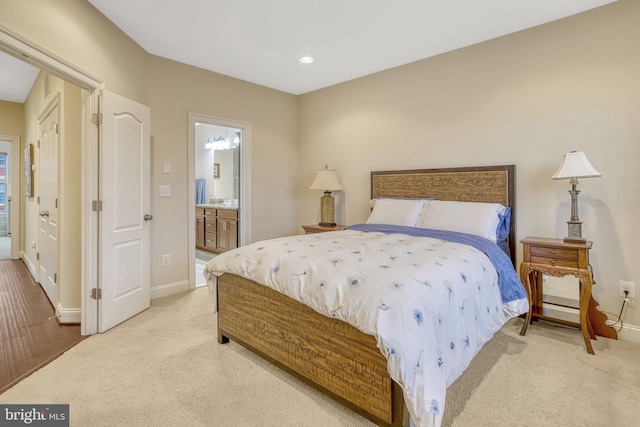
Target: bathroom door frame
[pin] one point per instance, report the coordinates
(244, 201)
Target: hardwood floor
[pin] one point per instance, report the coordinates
(30, 337)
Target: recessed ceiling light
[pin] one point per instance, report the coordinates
(306, 60)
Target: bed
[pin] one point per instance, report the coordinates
(325, 350)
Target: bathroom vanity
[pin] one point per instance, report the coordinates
(216, 227)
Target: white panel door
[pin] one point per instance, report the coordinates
(48, 193)
(124, 192)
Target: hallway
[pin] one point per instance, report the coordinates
(30, 337)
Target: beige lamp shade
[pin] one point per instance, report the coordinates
(575, 165)
(326, 180)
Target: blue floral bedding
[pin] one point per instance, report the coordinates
(431, 299)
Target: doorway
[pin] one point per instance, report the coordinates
(217, 172)
(9, 202)
(29, 52)
(5, 198)
(219, 179)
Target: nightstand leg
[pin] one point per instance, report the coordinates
(525, 278)
(592, 333)
(585, 296)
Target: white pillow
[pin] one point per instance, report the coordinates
(480, 219)
(396, 211)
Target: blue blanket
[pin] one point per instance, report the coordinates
(511, 288)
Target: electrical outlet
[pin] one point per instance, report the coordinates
(166, 259)
(627, 286)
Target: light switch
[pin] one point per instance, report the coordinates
(166, 167)
(164, 191)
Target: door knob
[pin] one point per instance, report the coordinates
(44, 213)
(148, 217)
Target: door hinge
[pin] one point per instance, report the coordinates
(55, 277)
(38, 143)
(96, 205)
(96, 118)
(57, 128)
(56, 203)
(37, 256)
(38, 199)
(96, 293)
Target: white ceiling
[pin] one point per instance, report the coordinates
(261, 40)
(16, 78)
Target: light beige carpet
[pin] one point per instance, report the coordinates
(165, 368)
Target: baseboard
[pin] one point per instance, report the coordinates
(629, 333)
(69, 315)
(156, 292)
(30, 265)
(169, 289)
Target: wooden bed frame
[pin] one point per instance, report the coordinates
(326, 353)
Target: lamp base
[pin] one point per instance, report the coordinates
(327, 209)
(327, 224)
(575, 232)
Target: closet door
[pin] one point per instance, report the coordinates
(49, 203)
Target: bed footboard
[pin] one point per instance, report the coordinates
(326, 353)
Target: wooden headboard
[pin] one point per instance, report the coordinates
(490, 184)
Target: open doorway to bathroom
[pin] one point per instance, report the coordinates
(224, 219)
(217, 185)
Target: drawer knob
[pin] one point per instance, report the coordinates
(553, 251)
(553, 262)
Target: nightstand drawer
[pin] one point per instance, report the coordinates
(547, 252)
(556, 262)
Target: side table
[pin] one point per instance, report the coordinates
(555, 257)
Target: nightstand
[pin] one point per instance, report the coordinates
(555, 257)
(317, 228)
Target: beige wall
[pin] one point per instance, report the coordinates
(12, 119)
(522, 99)
(70, 199)
(175, 90)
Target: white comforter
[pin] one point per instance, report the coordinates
(431, 304)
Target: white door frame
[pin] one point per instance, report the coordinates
(15, 169)
(30, 52)
(244, 214)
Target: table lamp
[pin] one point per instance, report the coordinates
(327, 180)
(575, 165)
